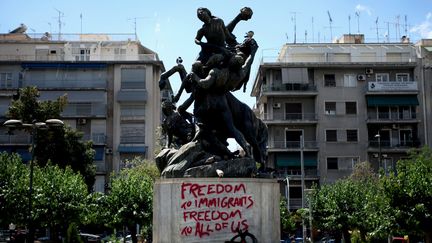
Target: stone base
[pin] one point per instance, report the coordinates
(212, 209)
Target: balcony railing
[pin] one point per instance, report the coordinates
(84, 110)
(385, 116)
(132, 139)
(289, 87)
(290, 117)
(395, 144)
(278, 144)
(70, 57)
(281, 173)
(15, 139)
(97, 138)
(66, 84)
(100, 166)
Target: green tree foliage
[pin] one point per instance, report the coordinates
(410, 193)
(14, 189)
(130, 198)
(355, 203)
(58, 197)
(288, 220)
(63, 146)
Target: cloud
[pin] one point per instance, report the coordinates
(425, 28)
(362, 8)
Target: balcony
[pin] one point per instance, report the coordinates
(132, 139)
(97, 138)
(66, 84)
(100, 166)
(15, 139)
(74, 58)
(292, 145)
(290, 118)
(386, 117)
(84, 110)
(394, 144)
(298, 89)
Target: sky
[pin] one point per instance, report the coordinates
(168, 27)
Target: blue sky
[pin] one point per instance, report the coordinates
(169, 26)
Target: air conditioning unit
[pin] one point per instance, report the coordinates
(277, 105)
(361, 77)
(395, 127)
(369, 71)
(82, 121)
(108, 151)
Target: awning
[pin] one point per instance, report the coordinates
(392, 100)
(131, 149)
(293, 159)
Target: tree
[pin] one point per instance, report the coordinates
(63, 146)
(410, 193)
(355, 203)
(59, 197)
(14, 182)
(131, 195)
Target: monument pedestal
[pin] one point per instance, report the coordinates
(213, 209)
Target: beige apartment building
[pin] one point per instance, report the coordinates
(111, 85)
(329, 106)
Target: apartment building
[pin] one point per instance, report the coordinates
(111, 85)
(332, 105)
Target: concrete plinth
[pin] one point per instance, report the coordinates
(211, 209)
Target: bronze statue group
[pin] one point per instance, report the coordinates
(222, 67)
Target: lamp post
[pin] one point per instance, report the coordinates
(379, 148)
(13, 123)
(302, 182)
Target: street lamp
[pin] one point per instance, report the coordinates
(379, 148)
(13, 123)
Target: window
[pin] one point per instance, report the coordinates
(350, 80)
(352, 135)
(330, 108)
(331, 135)
(402, 77)
(351, 108)
(329, 80)
(133, 78)
(382, 77)
(5, 80)
(332, 163)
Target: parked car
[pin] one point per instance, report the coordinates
(129, 238)
(89, 237)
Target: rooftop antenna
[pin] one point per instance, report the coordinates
(135, 25)
(349, 24)
(357, 13)
(406, 26)
(397, 26)
(81, 23)
(49, 23)
(60, 23)
(305, 36)
(286, 36)
(388, 31)
(294, 19)
(313, 31)
(331, 29)
(376, 24)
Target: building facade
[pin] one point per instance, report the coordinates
(111, 86)
(329, 106)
